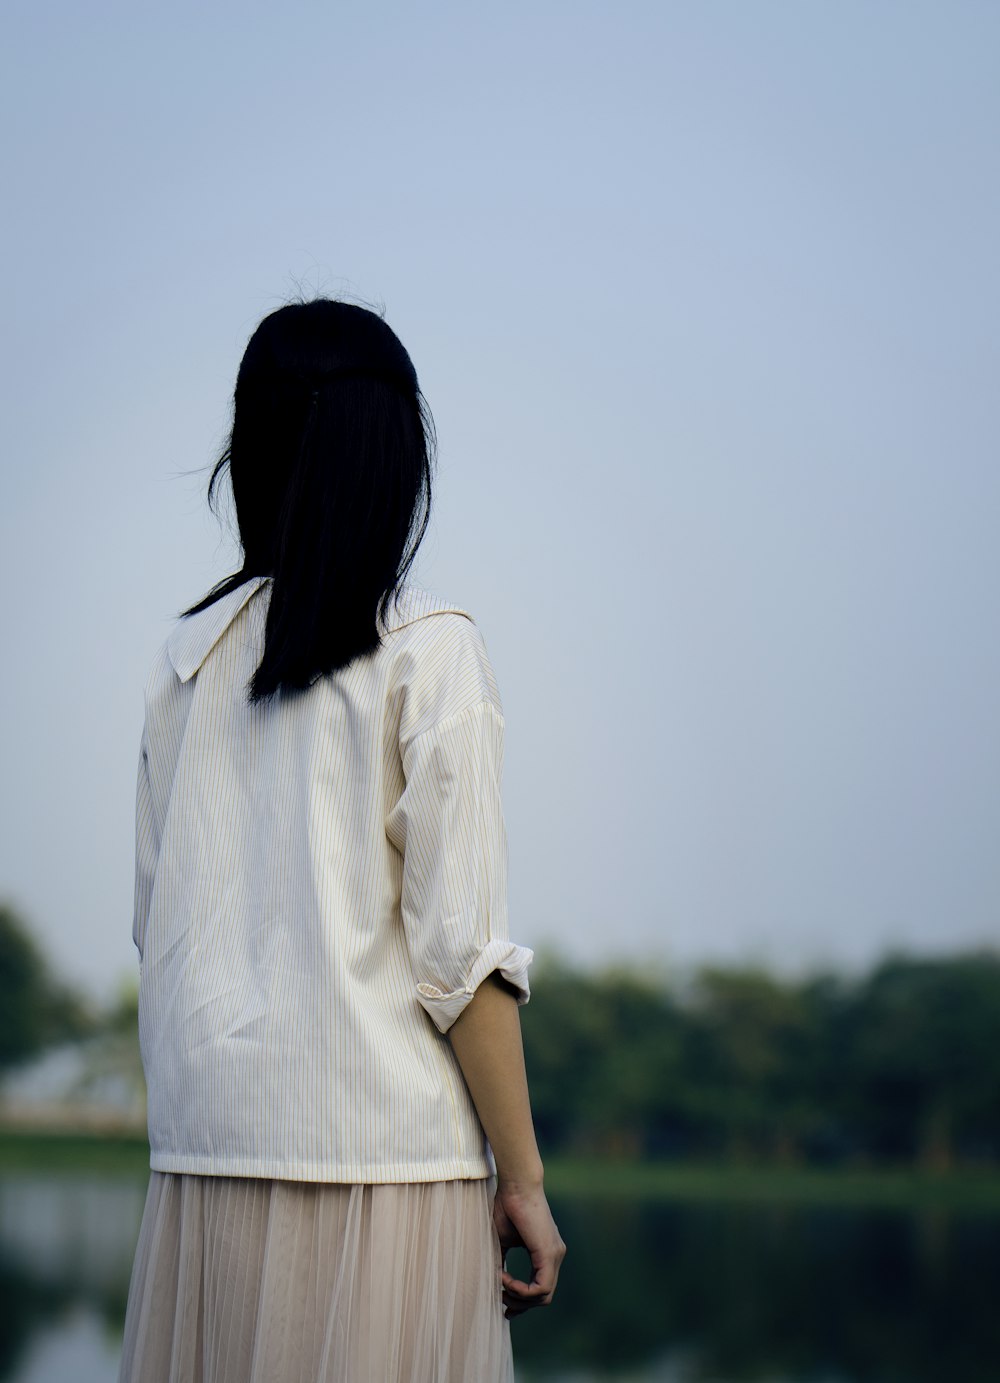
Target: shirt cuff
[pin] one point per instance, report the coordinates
(512, 961)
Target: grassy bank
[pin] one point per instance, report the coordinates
(128, 1155)
(882, 1187)
(110, 1154)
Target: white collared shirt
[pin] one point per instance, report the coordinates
(321, 886)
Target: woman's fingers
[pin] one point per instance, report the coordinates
(516, 1306)
(542, 1283)
(527, 1289)
(519, 1296)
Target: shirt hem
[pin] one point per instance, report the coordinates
(456, 1169)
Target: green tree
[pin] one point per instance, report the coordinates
(602, 1051)
(924, 1058)
(749, 1036)
(36, 1009)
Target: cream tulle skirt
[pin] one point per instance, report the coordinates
(243, 1280)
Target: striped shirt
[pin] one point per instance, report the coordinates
(321, 886)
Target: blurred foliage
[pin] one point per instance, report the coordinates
(112, 1052)
(899, 1065)
(36, 1009)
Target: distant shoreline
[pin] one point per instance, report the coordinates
(66, 1152)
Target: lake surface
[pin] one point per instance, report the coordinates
(649, 1293)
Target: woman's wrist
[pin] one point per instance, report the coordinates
(525, 1177)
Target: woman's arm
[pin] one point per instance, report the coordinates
(486, 1040)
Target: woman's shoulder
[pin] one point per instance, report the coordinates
(417, 605)
(432, 629)
(440, 660)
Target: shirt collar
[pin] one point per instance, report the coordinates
(194, 636)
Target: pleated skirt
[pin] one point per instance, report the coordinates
(247, 1280)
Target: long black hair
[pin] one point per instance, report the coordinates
(330, 458)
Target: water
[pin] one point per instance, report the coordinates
(649, 1293)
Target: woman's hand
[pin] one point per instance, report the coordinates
(523, 1219)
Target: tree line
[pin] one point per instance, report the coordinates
(898, 1065)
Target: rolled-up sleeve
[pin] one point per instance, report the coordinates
(454, 888)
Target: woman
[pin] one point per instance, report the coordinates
(341, 1143)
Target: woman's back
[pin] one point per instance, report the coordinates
(330, 889)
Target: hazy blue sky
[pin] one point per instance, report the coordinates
(705, 300)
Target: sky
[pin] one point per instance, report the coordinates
(704, 299)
